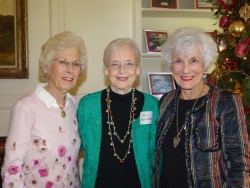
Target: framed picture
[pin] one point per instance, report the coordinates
(13, 39)
(154, 40)
(164, 3)
(205, 4)
(205, 76)
(160, 83)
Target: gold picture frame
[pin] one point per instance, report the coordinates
(18, 68)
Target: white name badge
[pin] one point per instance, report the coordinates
(146, 117)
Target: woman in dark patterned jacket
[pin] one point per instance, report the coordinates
(202, 139)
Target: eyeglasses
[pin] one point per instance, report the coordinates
(115, 65)
(65, 63)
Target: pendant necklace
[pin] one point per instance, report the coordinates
(63, 101)
(177, 138)
(112, 127)
(63, 113)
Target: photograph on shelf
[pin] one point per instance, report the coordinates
(205, 76)
(160, 83)
(154, 39)
(164, 4)
(205, 4)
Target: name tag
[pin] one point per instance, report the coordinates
(146, 117)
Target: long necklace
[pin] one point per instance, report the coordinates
(111, 125)
(177, 138)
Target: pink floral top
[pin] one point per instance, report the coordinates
(42, 147)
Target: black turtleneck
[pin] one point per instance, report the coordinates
(111, 173)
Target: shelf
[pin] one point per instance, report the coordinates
(151, 55)
(177, 13)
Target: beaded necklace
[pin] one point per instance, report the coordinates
(112, 128)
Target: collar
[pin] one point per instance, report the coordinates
(48, 99)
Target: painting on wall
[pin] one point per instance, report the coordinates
(13, 39)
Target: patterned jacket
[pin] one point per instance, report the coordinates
(216, 140)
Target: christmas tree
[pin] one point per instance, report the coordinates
(232, 70)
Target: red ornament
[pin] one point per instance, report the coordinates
(247, 110)
(228, 61)
(236, 65)
(121, 161)
(242, 49)
(225, 21)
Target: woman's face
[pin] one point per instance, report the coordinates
(188, 69)
(122, 69)
(64, 75)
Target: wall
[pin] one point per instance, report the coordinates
(96, 21)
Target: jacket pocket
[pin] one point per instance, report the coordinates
(207, 136)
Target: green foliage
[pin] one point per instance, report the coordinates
(232, 71)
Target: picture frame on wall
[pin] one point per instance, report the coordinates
(154, 39)
(160, 83)
(164, 4)
(14, 42)
(205, 4)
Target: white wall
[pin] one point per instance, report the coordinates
(96, 21)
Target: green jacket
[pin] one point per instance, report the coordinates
(89, 115)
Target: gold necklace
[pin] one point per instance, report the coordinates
(111, 125)
(177, 138)
(63, 101)
(63, 113)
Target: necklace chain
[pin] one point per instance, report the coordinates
(63, 113)
(111, 125)
(63, 102)
(177, 138)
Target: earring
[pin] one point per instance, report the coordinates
(46, 75)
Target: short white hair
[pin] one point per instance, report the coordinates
(185, 40)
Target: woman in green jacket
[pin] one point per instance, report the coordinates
(117, 125)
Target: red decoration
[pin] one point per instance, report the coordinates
(242, 49)
(225, 21)
(236, 65)
(247, 110)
